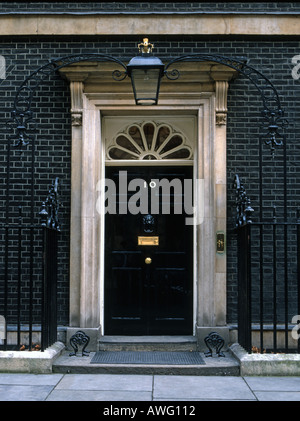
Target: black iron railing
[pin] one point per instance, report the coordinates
(268, 281)
(28, 266)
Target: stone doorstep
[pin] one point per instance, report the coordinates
(214, 366)
(266, 364)
(147, 343)
(30, 361)
(81, 364)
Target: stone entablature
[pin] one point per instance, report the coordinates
(154, 23)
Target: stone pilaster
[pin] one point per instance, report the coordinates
(220, 202)
(76, 88)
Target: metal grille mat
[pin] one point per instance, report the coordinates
(145, 357)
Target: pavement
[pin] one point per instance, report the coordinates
(108, 388)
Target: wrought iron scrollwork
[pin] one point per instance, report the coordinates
(272, 112)
(79, 339)
(214, 340)
(243, 204)
(50, 208)
(173, 74)
(22, 114)
(25, 123)
(118, 75)
(272, 129)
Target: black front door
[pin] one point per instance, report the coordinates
(148, 252)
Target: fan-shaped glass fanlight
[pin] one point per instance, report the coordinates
(149, 141)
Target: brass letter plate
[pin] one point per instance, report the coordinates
(148, 241)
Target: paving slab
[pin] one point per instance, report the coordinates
(274, 384)
(24, 393)
(29, 379)
(131, 387)
(106, 382)
(201, 388)
(96, 395)
(277, 396)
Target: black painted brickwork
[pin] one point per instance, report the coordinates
(146, 7)
(53, 139)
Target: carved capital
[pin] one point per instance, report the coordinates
(76, 118)
(221, 119)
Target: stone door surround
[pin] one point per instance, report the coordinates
(201, 91)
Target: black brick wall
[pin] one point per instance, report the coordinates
(272, 56)
(144, 7)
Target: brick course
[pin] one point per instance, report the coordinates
(146, 7)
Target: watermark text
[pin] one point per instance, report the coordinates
(296, 68)
(2, 67)
(157, 196)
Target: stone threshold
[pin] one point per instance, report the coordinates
(148, 338)
(147, 343)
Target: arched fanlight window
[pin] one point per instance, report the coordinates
(149, 141)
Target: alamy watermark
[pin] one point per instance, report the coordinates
(2, 67)
(146, 197)
(2, 328)
(296, 68)
(296, 328)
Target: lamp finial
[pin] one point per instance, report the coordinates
(145, 46)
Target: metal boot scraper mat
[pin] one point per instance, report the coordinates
(145, 357)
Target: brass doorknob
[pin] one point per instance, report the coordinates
(148, 260)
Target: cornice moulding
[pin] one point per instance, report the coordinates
(150, 24)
